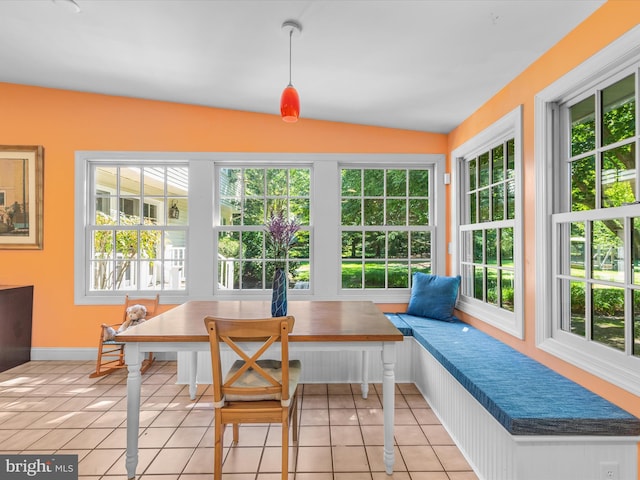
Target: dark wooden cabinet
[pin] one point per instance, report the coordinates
(16, 310)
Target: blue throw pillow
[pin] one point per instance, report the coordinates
(433, 296)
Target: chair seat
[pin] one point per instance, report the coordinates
(253, 379)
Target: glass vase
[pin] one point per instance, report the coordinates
(279, 293)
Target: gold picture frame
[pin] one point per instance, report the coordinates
(21, 196)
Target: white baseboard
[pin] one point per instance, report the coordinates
(78, 354)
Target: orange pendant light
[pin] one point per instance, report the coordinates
(290, 101)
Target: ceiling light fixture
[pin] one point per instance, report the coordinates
(290, 101)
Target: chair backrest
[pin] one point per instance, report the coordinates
(258, 332)
(151, 304)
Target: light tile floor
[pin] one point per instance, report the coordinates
(54, 407)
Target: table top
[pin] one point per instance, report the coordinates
(315, 321)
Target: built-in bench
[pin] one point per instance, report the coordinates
(513, 417)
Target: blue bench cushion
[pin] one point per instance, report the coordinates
(526, 397)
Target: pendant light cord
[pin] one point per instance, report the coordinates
(290, 37)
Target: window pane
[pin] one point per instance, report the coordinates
(176, 258)
(606, 250)
(497, 156)
(254, 182)
(635, 250)
(398, 245)
(473, 185)
(497, 194)
(351, 182)
(485, 172)
(419, 183)
(126, 275)
(608, 316)
(351, 212)
(373, 211)
(478, 247)
(511, 153)
(253, 245)
(478, 283)
(300, 208)
(636, 323)
(491, 247)
(506, 290)
(351, 244)
(374, 183)
(492, 286)
(230, 181)
(398, 275)
(511, 200)
(351, 274)
(420, 244)
(485, 212)
(374, 275)
(300, 249)
(277, 182)
(396, 183)
(619, 176)
(578, 250)
(299, 276)
(506, 247)
(228, 245)
(299, 182)
(396, 212)
(253, 212)
(619, 111)
(418, 212)
(374, 245)
(577, 321)
(102, 247)
(228, 274)
(178, 211)
(583, 184)
(583, 126)
(473, 208)
(252, 275)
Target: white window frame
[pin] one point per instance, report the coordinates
(325, 250)
(606, 363)
(509, 126)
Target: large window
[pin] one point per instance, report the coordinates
(247, 197)
(591, 313)
(489, 225)
(192, 225)
(385, 226)
(137, 227)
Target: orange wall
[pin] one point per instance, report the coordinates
(64, 121)
(612, 20)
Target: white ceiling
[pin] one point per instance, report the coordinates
(418, 65)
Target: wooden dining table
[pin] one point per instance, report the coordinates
(319, 325)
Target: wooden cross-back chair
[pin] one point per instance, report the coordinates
(254, 390)
(111, 352)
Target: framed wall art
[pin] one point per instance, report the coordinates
(21, 196)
